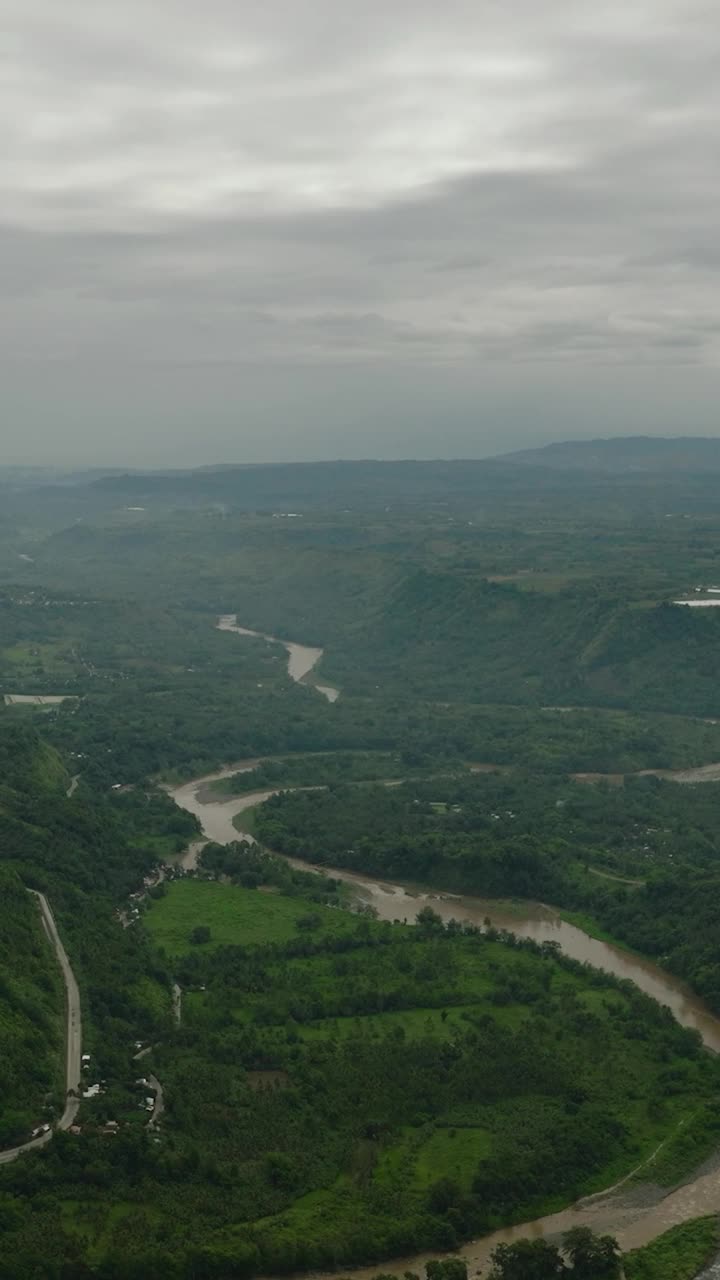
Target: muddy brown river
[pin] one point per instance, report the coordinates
(302, 658)
(633, 1224)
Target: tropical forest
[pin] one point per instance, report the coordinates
(360, 870)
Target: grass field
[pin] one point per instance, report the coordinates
(32, 659)
(162, 847)
(437, 1151)
(415, 1023)
(235, 916)
(451, 1153)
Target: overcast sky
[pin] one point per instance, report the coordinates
(264, 229)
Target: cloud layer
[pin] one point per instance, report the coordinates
(309, 184)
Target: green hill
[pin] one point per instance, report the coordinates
(458, 636)
(86, 853)
(31, 1015)
(26, 762)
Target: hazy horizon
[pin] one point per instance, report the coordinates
(303, 230)
(432, 414)
(210, 463)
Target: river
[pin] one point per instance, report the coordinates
(302, 658)
(634, 1221)
(394, 901)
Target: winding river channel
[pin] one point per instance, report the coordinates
(635, 1215)
(302, 659)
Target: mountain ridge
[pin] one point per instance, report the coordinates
(622, 454)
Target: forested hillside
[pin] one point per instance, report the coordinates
(453, 635)
(517, 593)
(32, 1000)
(318, 1089)
(86, 852)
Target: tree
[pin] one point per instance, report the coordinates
(527, 1260)
(447, 1269)
(593, 1257)
(280, 1169)
(309, 922)
(443, 1195)
(201, 933)
(428, 921)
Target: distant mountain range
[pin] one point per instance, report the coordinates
(16, 477)
(290, 487)
(624, 453)
(647, 472)
(551, 469)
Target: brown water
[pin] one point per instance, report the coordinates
(632, 1224)
(302, 658)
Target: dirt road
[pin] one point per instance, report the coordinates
(157, 1089)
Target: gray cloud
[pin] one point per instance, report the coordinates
(302, 189)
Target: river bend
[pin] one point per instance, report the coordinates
(634, 1224)
(302, 658)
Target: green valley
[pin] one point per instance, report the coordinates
(296, 1058)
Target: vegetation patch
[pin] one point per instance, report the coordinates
(31, 1016)
(533, 837)
(340, 1091)
(678, 1254)
(331, 768)
(465, 1081)
(234, 917)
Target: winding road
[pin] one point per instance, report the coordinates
(73, 1037)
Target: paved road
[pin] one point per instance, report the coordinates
(73, 1037)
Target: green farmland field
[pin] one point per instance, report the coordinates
(235, 916)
